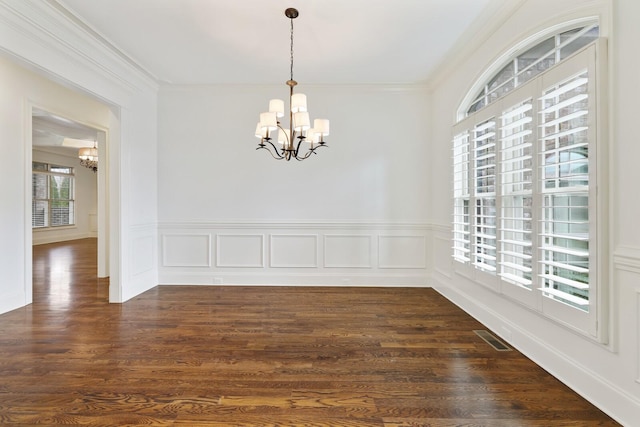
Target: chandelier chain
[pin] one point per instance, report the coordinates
(291, 71)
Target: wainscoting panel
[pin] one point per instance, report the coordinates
(240, 250)
(142, 256)
(294, 251)
(402, 252)
(347, 251)
(442, 253)
(143, 253)
(186, 250)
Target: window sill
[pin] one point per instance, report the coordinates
(62, 227)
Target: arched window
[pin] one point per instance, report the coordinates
(525, 149)
(528, 62)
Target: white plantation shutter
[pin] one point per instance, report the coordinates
(516, 201)
(39, 200)
(525, 187)
(484, 172)
(461, 199)
(564, 157)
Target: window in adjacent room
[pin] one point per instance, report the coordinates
(525, 157)
(52, 196)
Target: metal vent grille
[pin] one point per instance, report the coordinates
(492, 340)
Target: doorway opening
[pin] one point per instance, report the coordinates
(68, 197)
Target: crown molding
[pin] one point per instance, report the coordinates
(48, 37)
(99, 37)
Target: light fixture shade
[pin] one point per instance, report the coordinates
(84, 153)
(298, 102)
(88, 153)
(321, 126)
(277, 106)
(301, 121)
(260, 133)
(268, 121)
(312, 136)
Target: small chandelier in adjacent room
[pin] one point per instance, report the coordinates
(89, 157)
(299, 131)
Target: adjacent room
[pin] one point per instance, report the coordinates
(341, 213)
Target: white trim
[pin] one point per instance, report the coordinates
(627, 258)
(234, 265)
(267, 278)
(49, 25)
(294, 224)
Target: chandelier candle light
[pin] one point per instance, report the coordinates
(299, 123)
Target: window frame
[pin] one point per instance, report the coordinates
(592, 323)
(48, 172)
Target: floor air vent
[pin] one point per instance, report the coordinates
(494, 342)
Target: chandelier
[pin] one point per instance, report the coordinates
(299, 131)
(89, 157)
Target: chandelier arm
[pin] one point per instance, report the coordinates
(275, 149)
(276, 156)
(286, 143)
(300, 139)
(312, 151)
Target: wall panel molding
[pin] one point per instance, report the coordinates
(240, 250)
(442, 255)
(295, 253)
(348, 251)
(186, 250)
(402, 251)
(143, 252)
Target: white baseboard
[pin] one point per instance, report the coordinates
(9, 302)
(46, 239)
(264, 278)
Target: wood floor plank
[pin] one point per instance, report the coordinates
(259, 356)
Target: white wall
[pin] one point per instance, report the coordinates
(72, 70)
(608, 375)
(369, 184)
(22, 88)
(85, 201)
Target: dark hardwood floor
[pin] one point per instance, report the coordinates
(259, 356)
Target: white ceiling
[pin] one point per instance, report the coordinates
(247, 41)
(59, 133)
